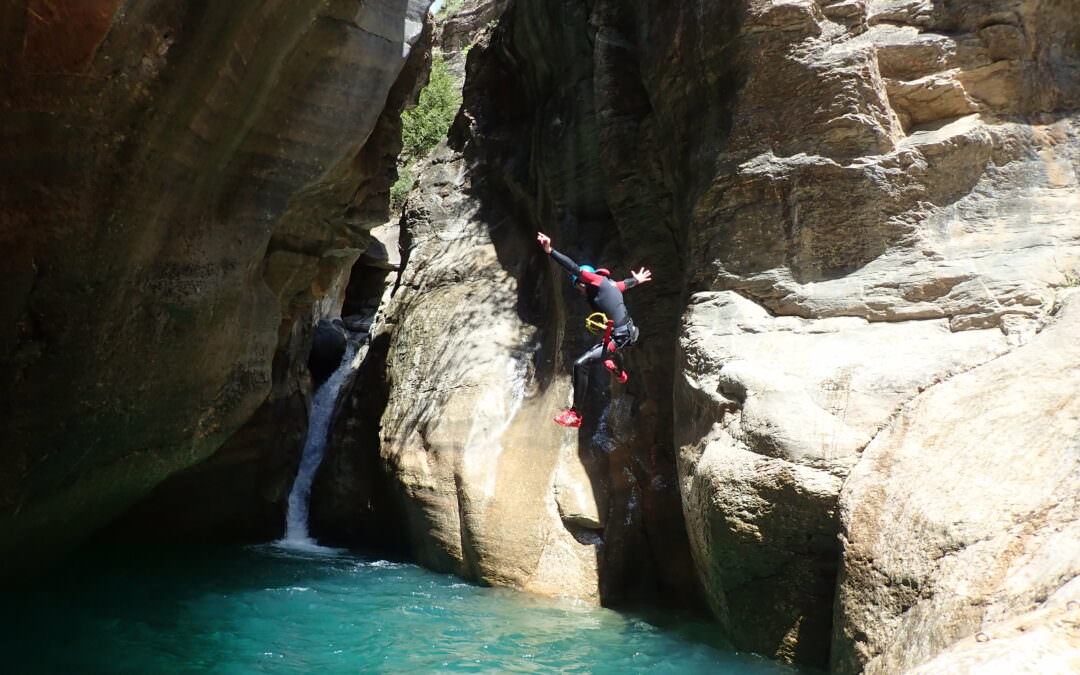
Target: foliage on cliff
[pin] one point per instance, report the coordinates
(426, 124)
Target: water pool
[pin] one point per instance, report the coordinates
(267, 609)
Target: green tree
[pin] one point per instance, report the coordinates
(426, 124)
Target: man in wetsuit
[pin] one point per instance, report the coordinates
(606, 296)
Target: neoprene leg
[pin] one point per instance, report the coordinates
(613, 356)
(581, 373)
(617, 358)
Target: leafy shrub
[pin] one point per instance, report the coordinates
(426, 124)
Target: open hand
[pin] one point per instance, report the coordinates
(642, 275)
(545, 241)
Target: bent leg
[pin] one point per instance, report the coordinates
(612, 357)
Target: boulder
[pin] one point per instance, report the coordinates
(773, 411)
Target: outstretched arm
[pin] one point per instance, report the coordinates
(639, 277)
(567, 264)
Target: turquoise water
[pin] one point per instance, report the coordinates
(264, 609)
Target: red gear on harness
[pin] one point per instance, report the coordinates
(609, 344)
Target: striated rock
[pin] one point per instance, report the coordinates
(926, 99)
(844, 254)
(181, 183)
(963, 513)
(480, 336)
(772, 412)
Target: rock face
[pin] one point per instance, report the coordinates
(481, 332)
(775, 410)
(1046, 640)
(181, 182)
(465, 433)
(851, 429)
(964, 513)
(844, 204)
(886, 220)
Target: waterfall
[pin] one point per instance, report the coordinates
(320, 417)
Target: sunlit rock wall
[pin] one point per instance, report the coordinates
(890, 206)
(180, 182)
(845, 204)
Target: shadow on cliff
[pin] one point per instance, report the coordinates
(625, 446)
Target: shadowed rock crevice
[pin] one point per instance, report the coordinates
(608, 510)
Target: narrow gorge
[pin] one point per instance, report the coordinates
(851, 434)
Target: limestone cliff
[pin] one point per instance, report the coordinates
(897, 213)
(181, 180)
(963, 515)
(848, 206)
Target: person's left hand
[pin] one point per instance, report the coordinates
(545, 241)
(642, 275)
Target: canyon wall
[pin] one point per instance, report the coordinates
(898, 212)
(850, 209)
(850, 431)
(181, 182)
(480, 335)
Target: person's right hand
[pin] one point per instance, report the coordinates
(545, 241)
(642, 275)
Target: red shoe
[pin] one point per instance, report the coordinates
(621, 377)
(569, 418)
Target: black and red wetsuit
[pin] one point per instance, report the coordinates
(604, 295)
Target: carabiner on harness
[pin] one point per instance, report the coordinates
(596, 323)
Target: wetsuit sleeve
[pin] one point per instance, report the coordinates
(566, 263)
(626, 284)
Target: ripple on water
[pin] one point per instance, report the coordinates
(290, 609)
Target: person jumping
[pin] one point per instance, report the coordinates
(606, 297)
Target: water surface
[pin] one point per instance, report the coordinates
(267, 609)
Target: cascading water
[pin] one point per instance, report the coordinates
(320, 417)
